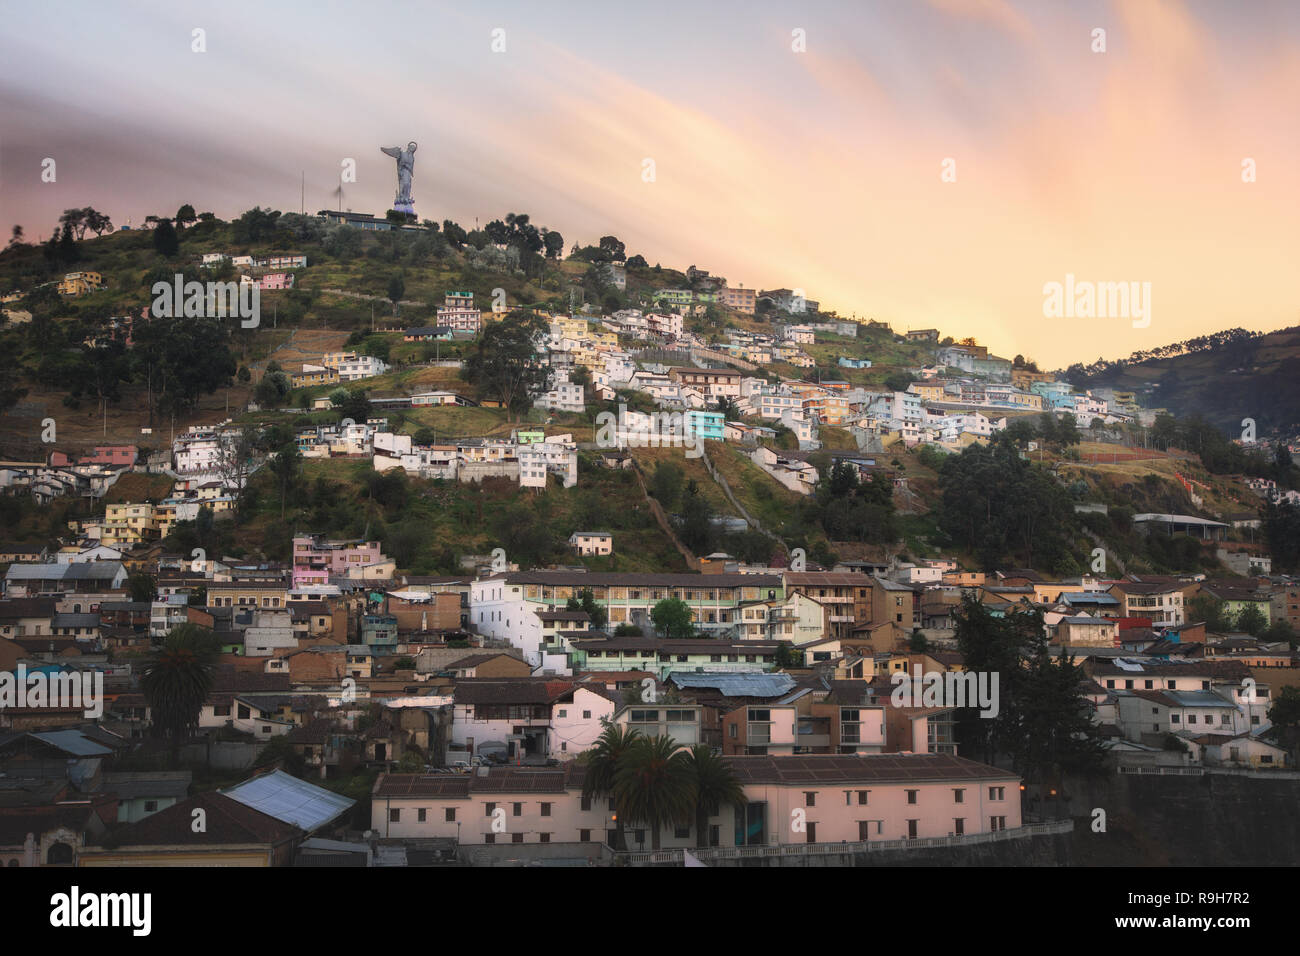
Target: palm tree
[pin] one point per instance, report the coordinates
(602, 768)
(653, 784)
(177, 681)
(715, 784)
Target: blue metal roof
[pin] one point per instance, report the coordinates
(290, 800)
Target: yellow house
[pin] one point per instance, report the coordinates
(245, 595)
(128, 524)
(79, 283)
(927, 391)
(314, 375)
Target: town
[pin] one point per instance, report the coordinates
(765, 582)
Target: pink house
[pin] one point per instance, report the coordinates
(110, 456)
(276, 280)
(810, 799)
(315, 560)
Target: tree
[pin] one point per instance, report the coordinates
(454, 234)
(424, 435)
(1251, 620)
(697, 519)
(165, 239)
(637, 262)
(1067, 430)
(996, 503)
(898, 381)
(1208, 609)
(666, 483)
(396, 289)
(594, 610)
(96, 221)
(553, 242)
(16, 237)
(1042, 723)
(654, 784)
(1284, 715)
(286, 468)
(713, 784)
(185, 216)
(143, 587)
(177, 680)
(74, 221)
(612, 248)
(603, 762)
(672, 618)
(504, 364)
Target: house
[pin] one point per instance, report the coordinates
(713, 383)
(311, 375)
(232, 835)
(588, 543)
(143, 793)
(491, 664)
(352, 366)
(839, 799)
(504, 605)
(512, 715)
(579, 717)
(1083, 629)
(80, 283)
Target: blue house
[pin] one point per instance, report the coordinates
(705, 424)
(854, 363)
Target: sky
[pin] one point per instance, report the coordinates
(929, 163)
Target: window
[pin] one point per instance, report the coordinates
(911, 796)
(420, 815)
(543, 838)
(489, 838)
(518, 809)
(584, 836)
(911, 829)
(150, 806)
(546, 809)
(394, 815)
(812, 832)
(958, 826)
(449, 815)
(586, 715)
(681, 833)
(997, 793)
(959, 795)
(810, 798)
(997, 823)
(862, 797)
(562, 713)
(516, 838)
(586, 803)
(488, 808)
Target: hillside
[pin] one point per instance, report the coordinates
(1257, 377)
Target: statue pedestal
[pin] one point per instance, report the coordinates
(404, 207)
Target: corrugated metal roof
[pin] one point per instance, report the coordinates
(73, 742)
(290, 800)
(736, 685)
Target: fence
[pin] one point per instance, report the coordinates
(843, 849)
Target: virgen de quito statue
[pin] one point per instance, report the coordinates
(405, 167)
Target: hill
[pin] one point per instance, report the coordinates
(1223, 378)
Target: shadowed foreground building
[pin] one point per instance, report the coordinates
(791, 800)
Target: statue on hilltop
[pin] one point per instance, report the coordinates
(405, 167)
